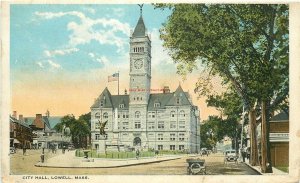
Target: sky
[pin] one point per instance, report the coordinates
(61, 56)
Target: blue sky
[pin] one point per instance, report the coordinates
(57, 36)
(61, 55)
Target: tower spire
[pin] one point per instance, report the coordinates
(141, 8)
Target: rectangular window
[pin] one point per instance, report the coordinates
(118, 115)
(151, 136)
(124, 116)
(160, 147)
(125, 125)
(151, 125)
(97, 125)
(160, 125)
(181, 124)
(151, 114)
(97, 136)
(172, 147)
(172, 124)
(137, 125)
(160, 136)
(172, 137)
(181, 147)
(181, 137)
(127, 115)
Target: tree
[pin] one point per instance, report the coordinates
(215, 129)
(80, 128)
(246, 45)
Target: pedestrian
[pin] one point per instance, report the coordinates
(42, 158)
(243, 152)
(248, 153)
(137, 153)
(24, 150)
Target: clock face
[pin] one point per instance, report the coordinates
(138, 63)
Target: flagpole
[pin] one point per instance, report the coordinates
(118, 80)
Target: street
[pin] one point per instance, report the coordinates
(24, 165)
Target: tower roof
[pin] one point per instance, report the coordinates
(140, 28)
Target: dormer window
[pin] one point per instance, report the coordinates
(121, 106)
(157, 104)
(177, 100)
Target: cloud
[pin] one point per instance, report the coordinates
(53, 64)
(103, 30)
(103, 60)
(92, 55)
(159, 54)
(90, 10)
(60, 52)
(118, 12)
(40, 64)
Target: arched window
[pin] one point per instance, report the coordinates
(137, 114)
(97, 115)
(172, 114)
(182, 113)
(105, 115)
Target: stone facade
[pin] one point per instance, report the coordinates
(162, 121)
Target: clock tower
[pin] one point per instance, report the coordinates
(140, 65)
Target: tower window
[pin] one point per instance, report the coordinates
(121, 106)
(101, 103)
(137, 114)
(177, 100)
(137, 98)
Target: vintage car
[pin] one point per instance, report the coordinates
(196, 166)
(230, 156)
(12, 150)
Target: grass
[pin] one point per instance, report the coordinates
(114, 155)
(283, 168)
(126, 155)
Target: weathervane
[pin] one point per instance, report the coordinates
(141, 7)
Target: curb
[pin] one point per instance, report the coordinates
(114, 166)
(253, 168)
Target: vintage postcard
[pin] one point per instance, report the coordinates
(149, 92)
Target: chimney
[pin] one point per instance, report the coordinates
(166, 89)
(14, 114)
(38, 116)
(21, 118)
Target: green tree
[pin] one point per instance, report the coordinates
(79, 131)
(246, 45)
(80, 128)
(215, 129)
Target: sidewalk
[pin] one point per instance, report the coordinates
(69, 160)
(258, 169)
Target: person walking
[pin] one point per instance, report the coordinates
(243, 151)
(137, 153)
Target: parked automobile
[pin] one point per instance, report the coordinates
(12, 150)
(71, 147)
(230, 156)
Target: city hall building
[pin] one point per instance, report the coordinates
(141, 119)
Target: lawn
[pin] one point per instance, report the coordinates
(125, 155)
(283, 168)
(115, 155)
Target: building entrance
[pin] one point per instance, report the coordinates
(137, 141)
